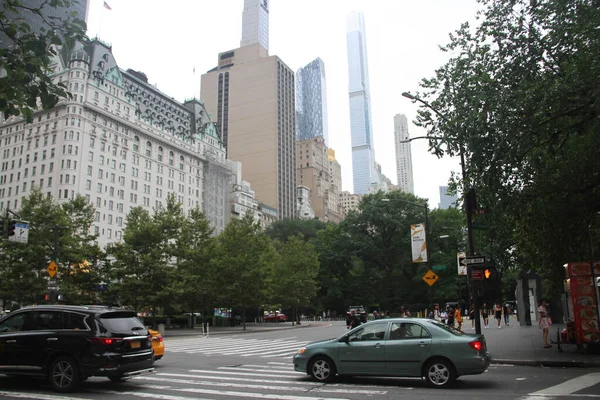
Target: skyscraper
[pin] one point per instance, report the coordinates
(364, 167)
(255, 23)
(447, 200)
(311, 102)
(403, 155)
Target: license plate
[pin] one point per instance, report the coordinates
(135, 344)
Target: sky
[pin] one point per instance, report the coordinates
(175, 42)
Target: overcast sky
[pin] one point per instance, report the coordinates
(167, 40)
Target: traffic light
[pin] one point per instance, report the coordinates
(11, 227)
(489, 274)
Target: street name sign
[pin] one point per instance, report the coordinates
(430, 278)
(439, 268)
(21, 233)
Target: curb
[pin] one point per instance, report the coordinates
(549, 363)
(170, 334)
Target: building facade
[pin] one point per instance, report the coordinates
(349, 201)
(311, 102)
(242, 199)
(305, 210)
(364, 169)
(313, 171)
(119, 142)
(335, 180)
(447, 200)
(252, 95)
(404, 170)
(255, 23)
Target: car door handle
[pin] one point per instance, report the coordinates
(378, 345)
(11, 341)
(422, 344)
(51, 339)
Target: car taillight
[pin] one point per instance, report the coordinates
(106, 341)
(477, 345)
(160, 339)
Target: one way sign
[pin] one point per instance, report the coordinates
(474, 261)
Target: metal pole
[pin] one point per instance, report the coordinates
(594, 283)
(428, 248)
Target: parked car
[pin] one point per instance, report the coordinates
(360, 311)
(275, 317)
(158, 345)
(402, 347)
(68, 344)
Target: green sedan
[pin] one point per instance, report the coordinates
(403, 347)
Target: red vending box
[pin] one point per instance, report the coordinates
(584, 300)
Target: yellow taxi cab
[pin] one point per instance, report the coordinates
(157, 344)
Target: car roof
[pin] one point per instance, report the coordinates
(96, 309)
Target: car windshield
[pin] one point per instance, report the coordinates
(447, 328)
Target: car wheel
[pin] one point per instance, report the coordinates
(439, 373)
(63, 374)
(322, 369)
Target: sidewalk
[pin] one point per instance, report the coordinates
(514, 344)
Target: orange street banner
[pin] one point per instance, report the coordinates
(419, 243)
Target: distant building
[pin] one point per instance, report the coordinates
(313, 171)
(349, 201)
(241, 199)
(447, 200)
(364, 166)
(311, 102)
(304, 209)
(335, 179)
(255, 23)
(404, 168)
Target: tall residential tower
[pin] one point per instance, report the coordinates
(403, 155)
(255, 23)
(311, 102)
(365, 172)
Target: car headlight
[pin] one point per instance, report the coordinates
(301, 350)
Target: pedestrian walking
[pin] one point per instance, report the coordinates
(458, 318)
(506, 311)
(485, 315)
(443, 316)
(544, 322)
(451, 317)
(498, 313)
(353, 321)
(472, 316)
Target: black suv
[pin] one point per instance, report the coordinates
(68, 344)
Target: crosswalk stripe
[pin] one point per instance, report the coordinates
(39, 396)
(265, 348)
(240, 379)
(250, 369)
(241, 373)
(287, 387)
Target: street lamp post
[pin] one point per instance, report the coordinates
(467, 194)
(204, 319)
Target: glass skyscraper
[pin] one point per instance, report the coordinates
(364, 167)
(311, 102)
(255, 23)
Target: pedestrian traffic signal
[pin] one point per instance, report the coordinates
(11, 227)
(489, 273)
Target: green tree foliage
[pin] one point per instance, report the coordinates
(286, 228)
(520, 93)
(26, 56)
(244, 255)
(59, 232)
(292, 280)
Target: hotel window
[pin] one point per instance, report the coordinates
(136, 144)
(148, 149)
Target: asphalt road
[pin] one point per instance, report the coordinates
(258, 365)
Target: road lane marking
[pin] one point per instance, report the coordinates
(201, 371)
(254, 395)
(38, 396)
(571, 386)
(255, 370)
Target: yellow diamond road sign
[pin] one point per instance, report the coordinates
(52, 268)
(430, 278)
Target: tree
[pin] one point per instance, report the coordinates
(244, 255)
(26, 55)
(57, 232)
(520, 94)
(292, 280)
(283, 229)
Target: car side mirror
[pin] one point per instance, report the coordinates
(345, 339)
